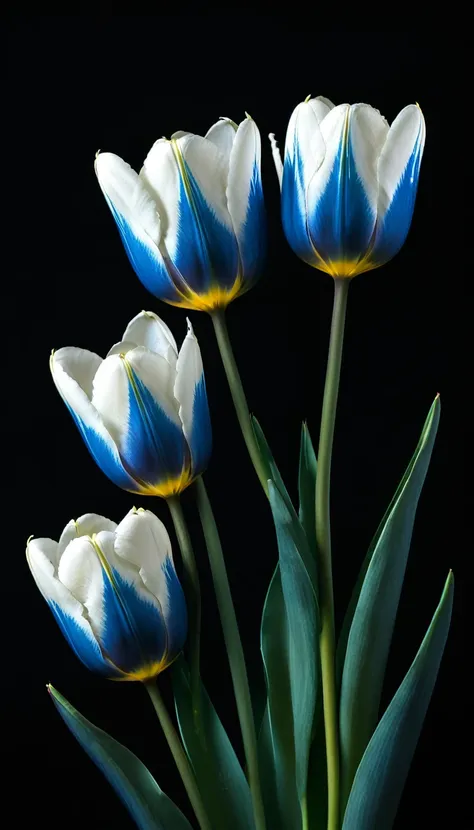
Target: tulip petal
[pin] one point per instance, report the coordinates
(190, 392)
(320, 106)
(222, 134)
(139, 223)
(142, 540)
(85, 525)
(398, 172)
(207, 252)
(133, 393)
(150, 331)
(341, 213)
(134, 634)
(43, 559)
(245, 198)
(304, 154)
(73, 371)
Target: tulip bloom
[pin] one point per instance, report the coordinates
(142, 411)
(349, 184)
(192, 222)
(113, 590)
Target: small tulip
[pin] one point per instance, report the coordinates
(349, 184)
(114, 592)
(192, 222)
(143, 411)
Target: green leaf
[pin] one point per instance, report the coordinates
(276, 739)
(307, 488)
(368, 629)
(148, 805)
(297, 529)
(301, 650)
(221, 781)
(383, 770)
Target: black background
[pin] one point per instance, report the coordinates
(78, 84)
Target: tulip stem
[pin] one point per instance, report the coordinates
(323, 542)
(238, 394)
(193, 598)
(179, 755)
(234, 648)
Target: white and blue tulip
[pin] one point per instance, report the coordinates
(193, 220)
(143, 411)
(114, 591)
(349, 184)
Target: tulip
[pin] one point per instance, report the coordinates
(114, 592)
(192, 221)
(349, 184)
(142, 411)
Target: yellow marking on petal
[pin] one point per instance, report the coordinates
(346, 268)
(308, 98)
(145, 672)
(215, 297)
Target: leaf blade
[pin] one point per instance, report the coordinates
(303, 636)
(374, 610)
(148, 805)
(221, 780)
(381, 775)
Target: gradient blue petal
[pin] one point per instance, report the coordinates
(177, 617)
(146, 261)
(86, 649)
(206, 250)
(134, 634)
(104, 456)
(155, 447)
(252, 234)
(393, 227)
(341, 223)
(293, 208)
(200, 438)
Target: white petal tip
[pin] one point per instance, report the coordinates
(308, 98)
(190, 328)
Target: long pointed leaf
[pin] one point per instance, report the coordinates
(383, 770)
(303, 636)
(276, 738)
(221, 781)
(372, 624)
(148, 805)
(307, 487)
(297, 529)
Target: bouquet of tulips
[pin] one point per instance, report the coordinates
(193, 225)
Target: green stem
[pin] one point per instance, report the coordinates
(234, 648)
(238, 394)
(193, 600)
(304, 813)
(179, 755)
(323, 541)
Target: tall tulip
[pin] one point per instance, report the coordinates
(192, 221)
(349, 184)
(142, 411)
(114, 592)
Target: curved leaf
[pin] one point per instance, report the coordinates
(297, 529)
(221, 781)
(276, 739)
(301, 652)
(371, 627)
(382, 772)
(307, 488)
(148, 805)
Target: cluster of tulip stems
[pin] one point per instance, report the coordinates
(192, 223)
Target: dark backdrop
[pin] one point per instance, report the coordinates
(79, 84)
